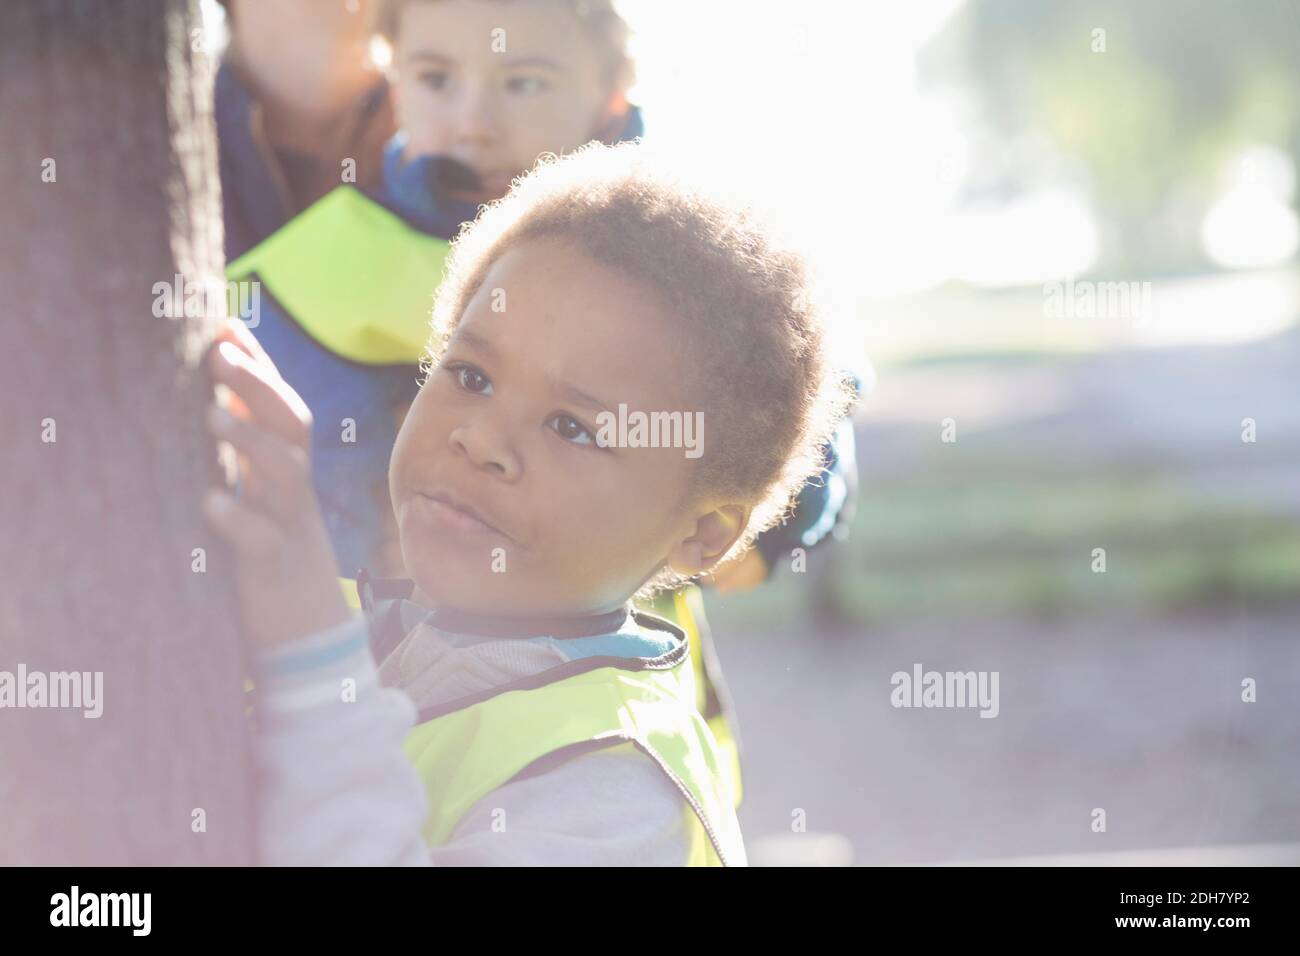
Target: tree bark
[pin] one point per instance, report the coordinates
(98, 527)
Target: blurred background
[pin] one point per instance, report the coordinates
(1068, 232)
(1063, 238)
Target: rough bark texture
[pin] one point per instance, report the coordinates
(98, 528)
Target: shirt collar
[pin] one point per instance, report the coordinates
(371, 589)
(413, 186)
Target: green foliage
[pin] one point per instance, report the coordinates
(1180, 85)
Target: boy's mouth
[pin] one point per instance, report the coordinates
(461, 181)
(455, 515)
(495, 184)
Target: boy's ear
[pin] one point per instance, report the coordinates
(714, 535)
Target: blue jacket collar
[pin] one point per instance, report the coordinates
(415, 189)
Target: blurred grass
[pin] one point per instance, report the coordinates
(1011, 532)
(938, 543)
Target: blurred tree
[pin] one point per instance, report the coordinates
(108, 185)
(1152, 106)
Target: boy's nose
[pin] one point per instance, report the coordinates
(478, 119)
(486, 448)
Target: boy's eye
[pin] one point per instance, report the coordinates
(470, 378)
(435, 79)
(572, 430)
(526, 84)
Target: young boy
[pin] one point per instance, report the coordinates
(556, 725)
(481, 89)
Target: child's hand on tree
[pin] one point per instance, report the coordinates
(287, 574)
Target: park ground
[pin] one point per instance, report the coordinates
(1119, 690)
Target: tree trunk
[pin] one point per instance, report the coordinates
(108, 185)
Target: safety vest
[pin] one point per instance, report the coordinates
(354, 275)
(685, 608)
(466, 748)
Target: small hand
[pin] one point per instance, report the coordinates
(744, 574)
(287, 575)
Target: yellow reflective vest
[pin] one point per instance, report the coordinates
(354, 275)
(469, 747)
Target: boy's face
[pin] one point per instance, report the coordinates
(496, 84)
(500, 428)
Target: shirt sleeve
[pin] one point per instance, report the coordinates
(334, 785)
(612, 807)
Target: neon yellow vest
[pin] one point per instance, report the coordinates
(356, 277)
(468, 748)
(685, 608)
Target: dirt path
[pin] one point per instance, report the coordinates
(1142, 717)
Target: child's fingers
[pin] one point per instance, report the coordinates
(269, 399)
(235, 332)
(250, 532)
(280, 471)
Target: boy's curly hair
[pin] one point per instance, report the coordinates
(752, 346)
(604, 26)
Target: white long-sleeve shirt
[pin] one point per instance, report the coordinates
(336, 788)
